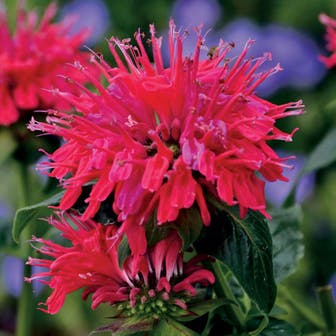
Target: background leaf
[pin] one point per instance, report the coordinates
(7, 145)
(323, 154)
(245, 246)
(287, 239)
(6, 242)
(29, 214)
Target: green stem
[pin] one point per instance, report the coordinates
(25, 310)
(327, 308)
(310, 315)
(223, 290)
(290, 200)
(209, 323)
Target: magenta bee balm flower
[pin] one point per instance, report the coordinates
(91, 263)
(31, 61)
(330, 38)
(166, 137)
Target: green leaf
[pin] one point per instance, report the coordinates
(201, 308)
(170, 327)
(279, 328)
(29, 214)
(262, 324)
(125, 326)
(7, 145)
(189, 226)
(123, 251)
(287, 239)
(245, 246)
(155, 232)
(323, 154)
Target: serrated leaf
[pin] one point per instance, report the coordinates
(125, 326)
(245, 246)
(123, 251)
(323, 154)
(288, 246)
(170, 327)
(7, 145)
(279, 328)
(29, 214)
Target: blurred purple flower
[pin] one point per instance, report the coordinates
(192, 13)
(239, 31)
(277, 192)
(91, 14)
(6, 211)
(296, 52)
(41, 175)
(211, 39)
(12, 274)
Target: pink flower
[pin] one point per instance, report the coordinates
(330, 38)
(163, 138)
(32, 58)
(91, 263)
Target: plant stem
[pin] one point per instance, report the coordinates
(327, 308)
(296, 302)
(223, 290)
(25, 309)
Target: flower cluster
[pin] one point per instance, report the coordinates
(155, 143)
(331, 40)
(164, 281)
(32, 60)
(163, 138)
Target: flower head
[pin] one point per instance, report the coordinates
(330, 38)
(31, 61)
(164, 281)
(163, 138)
